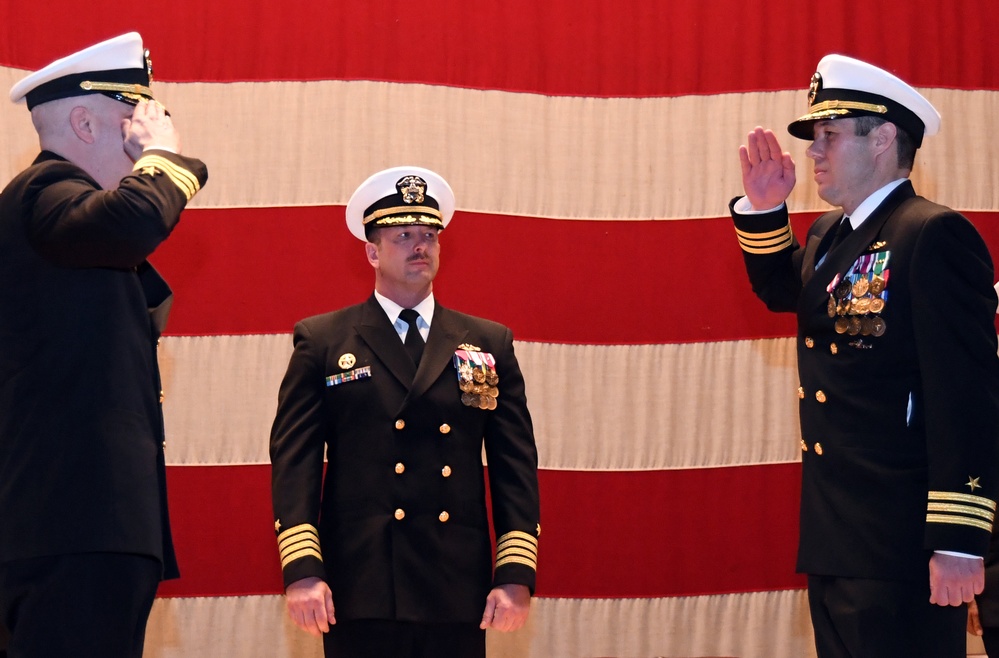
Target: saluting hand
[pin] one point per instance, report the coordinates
(767, 172)
(149, 126)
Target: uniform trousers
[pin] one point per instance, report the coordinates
(378, 638)
(862, 618)
(90, 605)
(990, 637)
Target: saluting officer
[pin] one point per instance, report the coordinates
(86, 536)
(897, 362)
(402, 394)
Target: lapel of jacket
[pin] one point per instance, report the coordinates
(445, 335)
(815, 239)
(379, 334)
(857, 242)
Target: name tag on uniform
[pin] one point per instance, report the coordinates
(350, 376)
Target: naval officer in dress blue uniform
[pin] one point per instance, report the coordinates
(899, 378)
(388, 552)
(86, 536)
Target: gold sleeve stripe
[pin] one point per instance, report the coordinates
(765, 243)
(294, 530)
(779, 233)
(519, 556)
(297, 542)
(513, 559)
(958, 520)
(523, 550)
(954, 497)
(518, 534)
(767, 250)
(961, 509)
(182, 178)
(760, 244)
(307, 552)
(290, 546)
(517, 545)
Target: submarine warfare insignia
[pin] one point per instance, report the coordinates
(477, 378)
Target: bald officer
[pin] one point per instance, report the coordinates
(897, 362)
(389, 552)
(86, 536)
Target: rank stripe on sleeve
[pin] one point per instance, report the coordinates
(960, 509)
(517, 547)
(298, 542)
(182, 178)
(765, 243)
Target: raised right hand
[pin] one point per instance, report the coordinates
(149, 127)
(767, 172)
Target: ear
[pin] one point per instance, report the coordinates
(83, 125)
(371, 251)
(884, 136)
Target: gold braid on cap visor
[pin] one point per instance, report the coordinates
(829, 108)
(127, 90)
(407, 215)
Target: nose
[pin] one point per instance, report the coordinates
(813, 151)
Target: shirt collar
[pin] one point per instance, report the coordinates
(424, 308)
(871, 203)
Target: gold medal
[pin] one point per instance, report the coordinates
(877, 305)
(854, 326)
(831, 307)
(484, 401)
(877, 285)
(493, 392)
(466, 387)
(860, 287)
(478, 376)
(862, 304)
(346, 361)
(842, 324)
(492, 378)
(866, 326)
(492, 403)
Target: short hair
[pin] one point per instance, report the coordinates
(905, 144)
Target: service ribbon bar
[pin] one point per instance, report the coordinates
(357, 373)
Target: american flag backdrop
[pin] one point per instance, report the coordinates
(592, 146)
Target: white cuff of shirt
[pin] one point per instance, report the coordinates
(956, 554)
(744, 207)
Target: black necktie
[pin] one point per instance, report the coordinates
(414, 341)
(844, 229)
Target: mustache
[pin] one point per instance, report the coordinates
(417, 257)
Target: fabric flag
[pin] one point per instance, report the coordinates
(592, 146)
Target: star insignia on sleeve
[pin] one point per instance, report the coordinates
(539, 530)
(277, 525)
(973, 483)
(150, 170)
